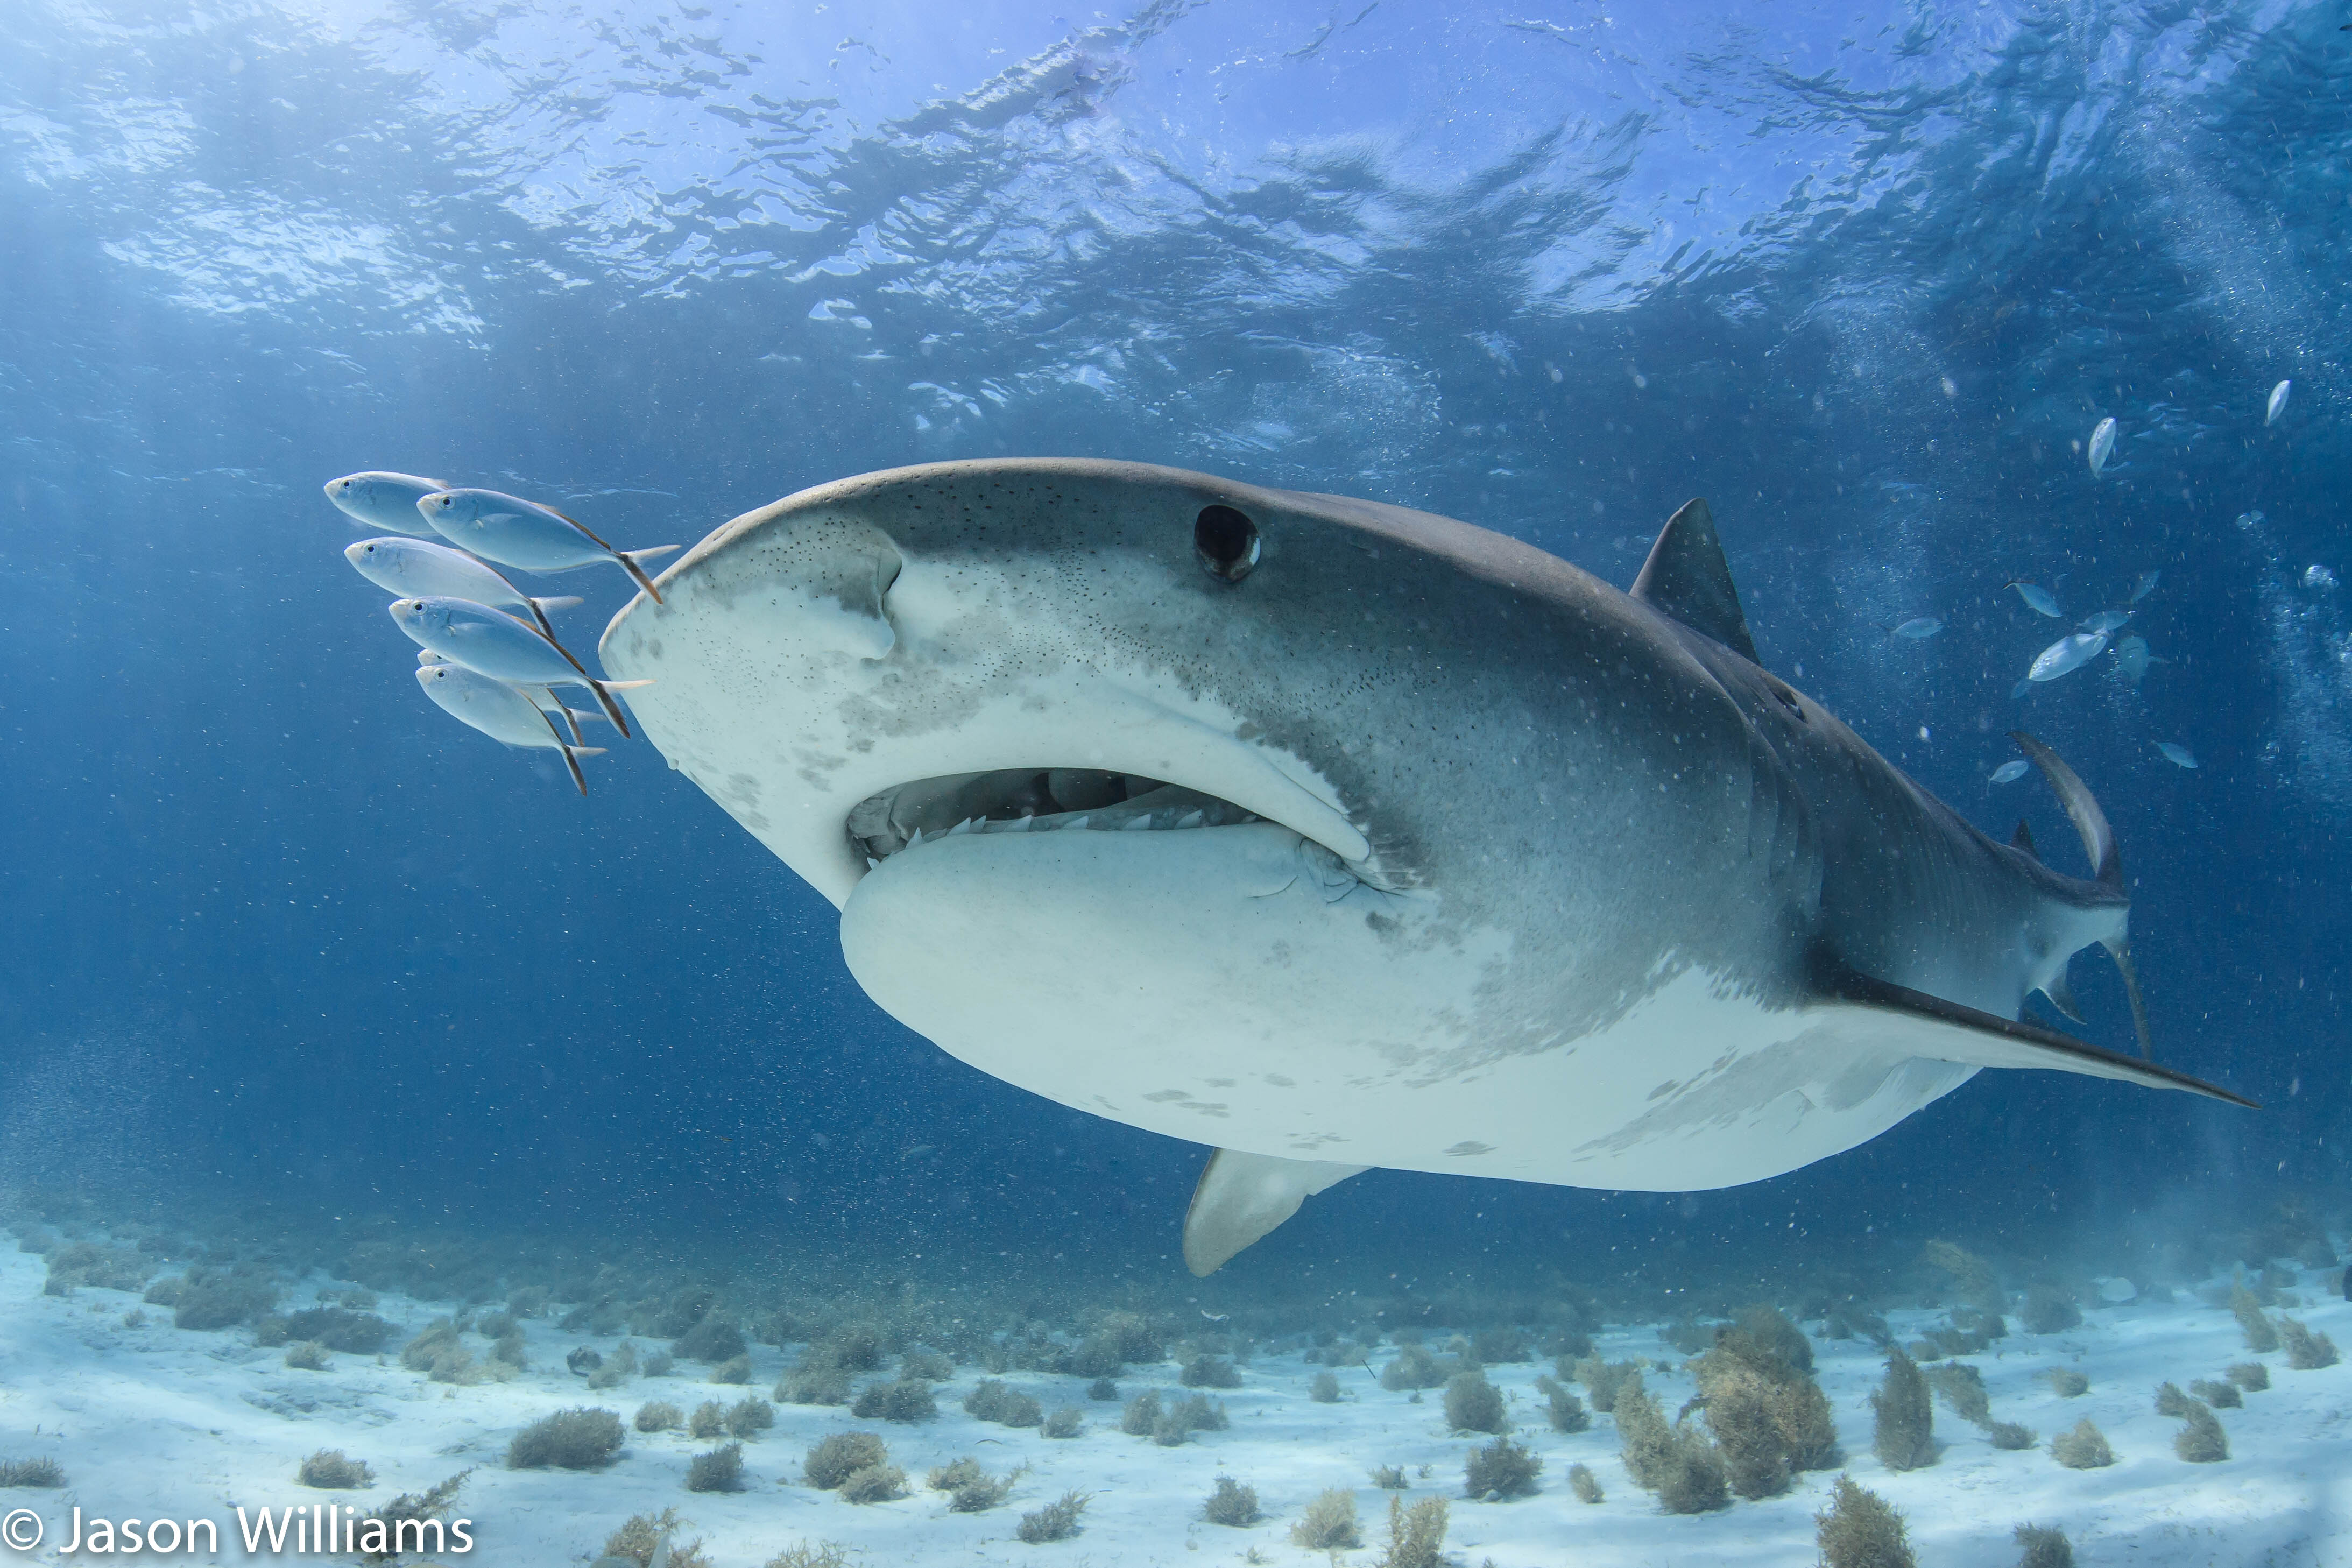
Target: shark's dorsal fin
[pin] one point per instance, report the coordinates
(2023, 842)
(1687, 578)
(1241, 1197)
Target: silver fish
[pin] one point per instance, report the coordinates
(517, 533)
(2106, 620)
(501, 712)
(2066, 656)
(2041, 600)
(421, 568)
(384, 501)
(2177, 754)
(1919, 627)
(2145, 586)
(493, 643)
(2103, 445)
(2133, 658)
(2276, 406)
(2009, 771)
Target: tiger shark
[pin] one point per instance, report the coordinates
(1334, 835)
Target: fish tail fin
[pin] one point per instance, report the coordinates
(612, 709)
(632, 562)
(2099, 842)
(538, 609)
(592, 717)
(556, 705)
(572, 760)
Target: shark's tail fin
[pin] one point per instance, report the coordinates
(2099, 844)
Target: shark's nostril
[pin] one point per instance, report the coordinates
(1226, 541)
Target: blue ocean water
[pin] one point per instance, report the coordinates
(281, 939)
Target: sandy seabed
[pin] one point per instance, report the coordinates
(156, 1421)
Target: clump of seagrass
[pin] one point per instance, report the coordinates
(1328, 1523)
(580, 1439)
(1602, 1380)
(1584, 1484)
(1057, 1520)
(750, 1416)
(811, 1555)
(908, 1399)
(1972, 1277)
(2262, 1334)
(1414, 1367)
(1211, 1372)
(2043, 1547)
(2048, 1310)
(2082, 1448)
(874, 1483)
(1141, 1414)
(992, 1401)
(1066, 1422)
(407, 1518)
(2251, 1376)
(1677, 1463)
(2307, 1349)
(1500, 1470)
(1325, 1389)
(1416, 1534)
(2220, 1395)
(42, 1472)
(709, 1420)
(1769, 1417)
(330, 1470)
(1906, 1433)
(1567, 1412)
(1473, 1404)
(969, 1489)
(1389, 1477)
(1232, 1504)
(658, 1416)
(841, 1455)
(1861, 1529)
(719, 1471)
(2200, 1439)
(307, 1355)
(637, 1540)
(1186, 1417)
(2067, 1383)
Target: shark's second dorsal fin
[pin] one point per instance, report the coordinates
(1687, 578)
(2023, 842)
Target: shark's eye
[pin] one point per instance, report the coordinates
(1226, 541)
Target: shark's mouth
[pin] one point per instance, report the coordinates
(1030, 800)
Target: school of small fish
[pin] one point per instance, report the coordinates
(2094, 634)
(496, 672)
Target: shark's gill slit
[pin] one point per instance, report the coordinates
(1030, 800)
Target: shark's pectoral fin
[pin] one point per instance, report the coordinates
(1686, 577)
(1241, 1197)
(1925, 1026)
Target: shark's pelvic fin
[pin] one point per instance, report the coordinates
(1925, 1026)
(2099, 844)
(1242, 1197)
(1686, 577)
(2060, 992)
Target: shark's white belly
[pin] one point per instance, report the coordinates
(1217, 991)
